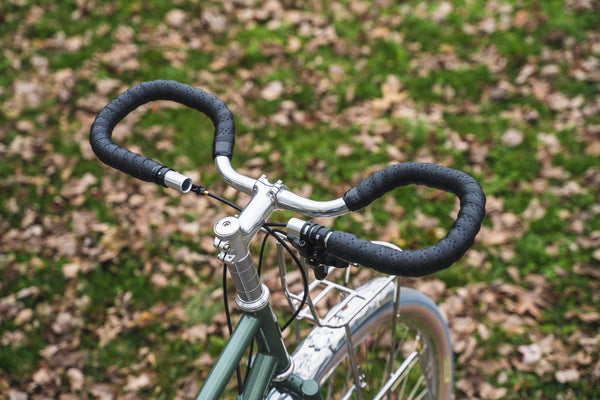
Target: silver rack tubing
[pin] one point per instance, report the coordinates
(285, 199)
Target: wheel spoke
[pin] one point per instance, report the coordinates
(413, 351)
(401, 372)
(416, 387)
(424, 393)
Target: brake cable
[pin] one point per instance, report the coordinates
(202, 191)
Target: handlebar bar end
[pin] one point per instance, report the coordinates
(177, 181)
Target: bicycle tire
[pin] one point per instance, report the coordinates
(323, 355)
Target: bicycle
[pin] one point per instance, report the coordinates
(381, 340)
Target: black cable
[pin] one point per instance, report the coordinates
(302, 273)
(259, 268)
(221, 199)
(271, 232)
(201, 191)
(276, 224)
(262, 252)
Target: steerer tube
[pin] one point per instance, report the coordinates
(235, 253)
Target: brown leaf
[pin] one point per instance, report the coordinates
(512, 138)
(143, 318)
(136, 383)
(534, 211)
(568, 375)
(441, 12)
(590, 241)
(13, 339)
(532, 353)
(196, 333)
(24, 316)
(489, 392)
(70, 270)
(344, 150)
(526, 72)
(530, 303)
(558, 101)
(540, 89)
(272, 91)
(513, 325)
(76, 379)
(17, 395)
(122, 57)
(63, 323)
(42, 377)
(111, 328)
(391, 94)
(175, 18)
(102, 391)
(521, 18)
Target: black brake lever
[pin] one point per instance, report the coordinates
(318, 258)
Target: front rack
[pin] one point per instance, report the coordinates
(349, 302)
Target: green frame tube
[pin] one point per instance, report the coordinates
(229, 359)
(263, 369)
(265, 364)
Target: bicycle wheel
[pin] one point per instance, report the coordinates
(412, 360)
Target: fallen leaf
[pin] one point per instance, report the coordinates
(534, 211)
(76, 379)
(566, 376)
(17, 395)
(512, 138)
(521, 18)
(489, 392)
(159, 281)
(558, 101)
(102, 391)
(70, 270)
(63, 323)
(136, 383)
(532, 353)
(42, 377)
(24, 316)
(441, 12)
(175, 18)
(272, 91)
(344, 150)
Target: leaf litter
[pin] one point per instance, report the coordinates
(513, 310)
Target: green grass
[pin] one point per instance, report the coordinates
(452, 95)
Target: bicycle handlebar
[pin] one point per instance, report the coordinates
(344, 246)
(145, 168)
(413, 263)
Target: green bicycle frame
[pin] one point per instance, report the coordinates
(272, 366)
(271, 354)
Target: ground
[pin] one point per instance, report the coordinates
(110, 287)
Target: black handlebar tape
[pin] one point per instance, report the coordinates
(420, 262)
(145, 168)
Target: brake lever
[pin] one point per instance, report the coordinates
(317, 258)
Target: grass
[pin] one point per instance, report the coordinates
(446, 79)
